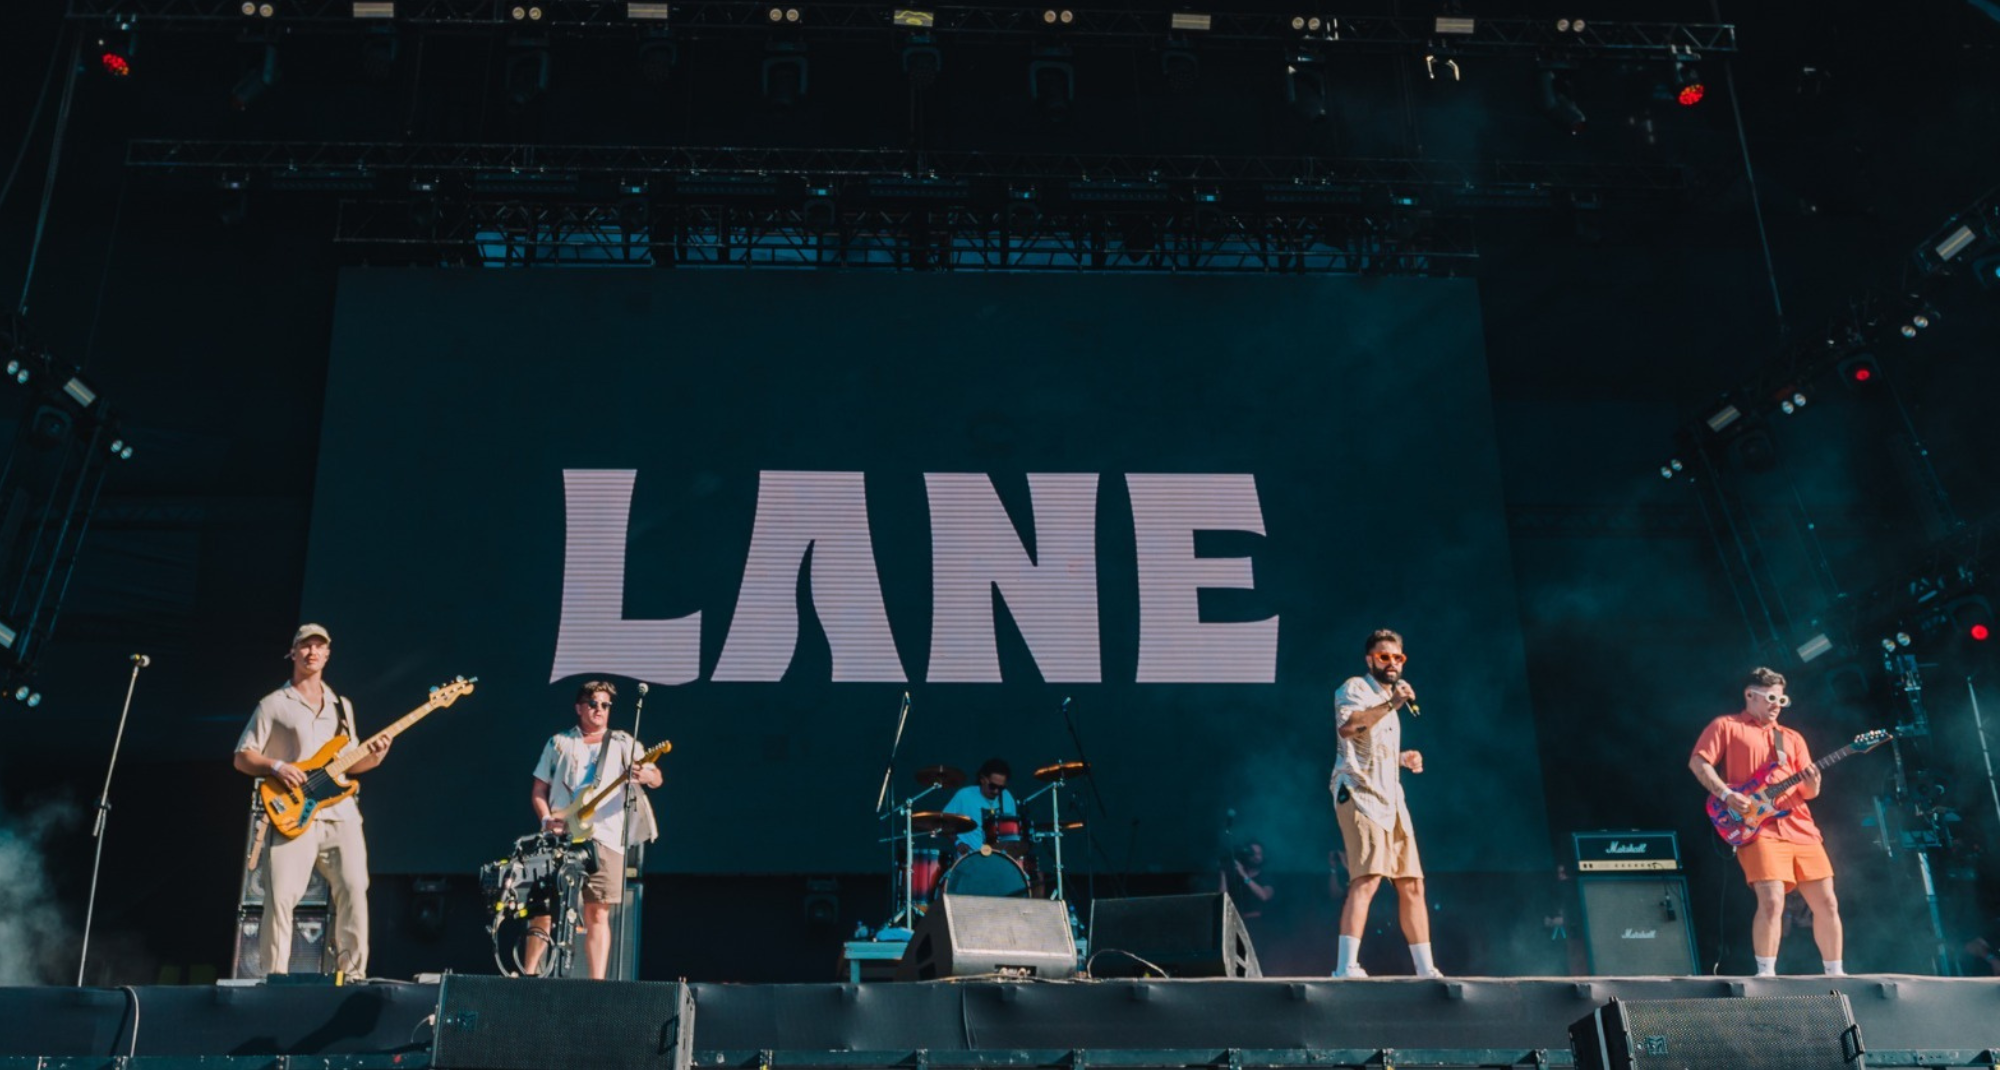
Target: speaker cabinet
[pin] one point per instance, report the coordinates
(1637, 926)
(971, 935)
(1185, 935)
(310, 928)
(1767, 1032)
(511, 1023)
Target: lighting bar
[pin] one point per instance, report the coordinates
(922, 20)
(7, 637)
(80, 393)
(1181, 20)
(374, 9)
(1955, 243)
(1814, 647)
(1729, 415)
(647, 12)
(1447, 24)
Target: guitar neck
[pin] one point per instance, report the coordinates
(1779, 787)
(341, 764)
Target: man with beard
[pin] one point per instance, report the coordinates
(1368, 803)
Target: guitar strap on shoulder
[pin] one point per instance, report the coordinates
(347, 717)
(1778, 743)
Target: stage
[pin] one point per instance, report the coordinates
(1904, 1021)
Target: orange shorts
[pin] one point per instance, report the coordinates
(1781, 860)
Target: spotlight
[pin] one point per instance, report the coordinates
(115, 52)
(1666, 473)
(1859, 370)
(1973, 616)
(35, 697)
(1888, 646)
(1569, 25)
(1688, 87)
(1792, 404)
(1814, 647)
(1902, 638)
(255, 10)
(1058, 16)
(21, 693)
(783, 15)
(1308, 23)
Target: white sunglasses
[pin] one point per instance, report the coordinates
(1779, 700)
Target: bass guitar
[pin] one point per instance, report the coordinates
(291, 809)
(1738, 829)
(576, 816)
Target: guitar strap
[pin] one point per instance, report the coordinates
(1778, 744)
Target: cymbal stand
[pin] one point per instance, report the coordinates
(1054, 792)
(906, 907)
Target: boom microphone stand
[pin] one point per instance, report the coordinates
(139, 661)
(635, 856)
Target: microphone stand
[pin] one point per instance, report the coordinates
(139, 661)
(889, 770)
(635, 856)
(1093, 848)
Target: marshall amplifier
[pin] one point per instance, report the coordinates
(1628, 851)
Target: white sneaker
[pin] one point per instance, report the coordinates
(1432, 975)
(1349, 971)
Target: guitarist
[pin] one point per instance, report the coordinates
(1789, 851)
(290, 724)
(574, 764)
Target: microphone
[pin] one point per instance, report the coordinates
(141, 660)
(642, 687)
(906, 702)
(1065, 704)
(1414, 710)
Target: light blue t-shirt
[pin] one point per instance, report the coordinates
(971, 803)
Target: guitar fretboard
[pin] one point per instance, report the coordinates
(1779, 787)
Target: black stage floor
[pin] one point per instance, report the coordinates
(1904, 1020)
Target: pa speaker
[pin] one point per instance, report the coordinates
(1185, 935)
(510, 1023)
(1637, 926)
(1767, 1032)
(971, 935)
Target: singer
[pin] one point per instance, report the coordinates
(572, 763)
(1368, 803)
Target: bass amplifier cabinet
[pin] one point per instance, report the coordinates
(1767, 1032)
(1637, 926)
(312, 919)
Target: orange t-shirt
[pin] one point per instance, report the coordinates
(1738, 745)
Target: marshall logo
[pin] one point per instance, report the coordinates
(1640, 934)
(1617, 848)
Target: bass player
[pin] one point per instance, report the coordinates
(1789, 851)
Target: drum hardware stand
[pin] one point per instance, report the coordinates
(1054, 792)
(906, 907)
(139, 661)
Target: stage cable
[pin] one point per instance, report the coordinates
(34, 118)
(110, 257)
(1750, 178)
(55, 159)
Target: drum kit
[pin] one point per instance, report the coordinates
(929, 859)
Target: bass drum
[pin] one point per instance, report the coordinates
(983, 873)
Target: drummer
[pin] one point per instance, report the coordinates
(988, 803)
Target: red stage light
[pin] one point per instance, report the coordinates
(116, 65)
(1690, 95)
(1863, 373)
(1980, 632)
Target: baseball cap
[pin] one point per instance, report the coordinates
(308, 631)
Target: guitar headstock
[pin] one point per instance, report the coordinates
(655, 754)
(445, 694)
(1868, 741)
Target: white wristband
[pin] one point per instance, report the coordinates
(279, 769)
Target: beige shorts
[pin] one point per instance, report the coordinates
(607, 885)
(1373, 851)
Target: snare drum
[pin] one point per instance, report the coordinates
(1002, 828)
(924, 871)
(982, 873)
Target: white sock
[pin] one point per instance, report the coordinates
(1833, 967)
(1350, 952)
(1767, 966)
(1420, 955)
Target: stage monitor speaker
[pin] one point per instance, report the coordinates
(510, 1023)
(1185, 935)
(311, 927)
(1767, 1032)
(1637, 926)
(972, 935)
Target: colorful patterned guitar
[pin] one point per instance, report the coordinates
(1739, 829)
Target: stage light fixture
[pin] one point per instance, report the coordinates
(1569, 25)
(115, 53)
(19, 372)
(1972, 614)
(1902, 638)
(374, 9)
(1688, 87)
(1723, 417)
(34, 699)
(7, 636)
(21, 693)
(1814, 647)
(783, 15)
(1310, 23)
(1859, 370)
(80, 392)
(1888, 646)
(1447, 24)
(1182, 21)
(1955, 243)
(255, 10)
(1432, 63)
(919, 20)
(647, 12)
(1558, 99)
(1058, 16)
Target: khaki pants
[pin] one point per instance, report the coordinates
(337, 849)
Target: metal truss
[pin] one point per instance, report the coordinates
(1021, 238)
(1232, 181)
(1314, 28)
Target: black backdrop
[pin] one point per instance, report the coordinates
(1352, 415)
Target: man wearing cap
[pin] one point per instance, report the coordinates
(291, 724)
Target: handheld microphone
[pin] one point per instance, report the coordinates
(1414, 710)
(906, 702)
(141, 660)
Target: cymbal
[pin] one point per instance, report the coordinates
(933, 821)
(941, 776)
(1062, 771)
(1050, 828)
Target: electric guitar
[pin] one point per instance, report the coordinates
(576, 816)
(1739, 829)
(291, 809)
